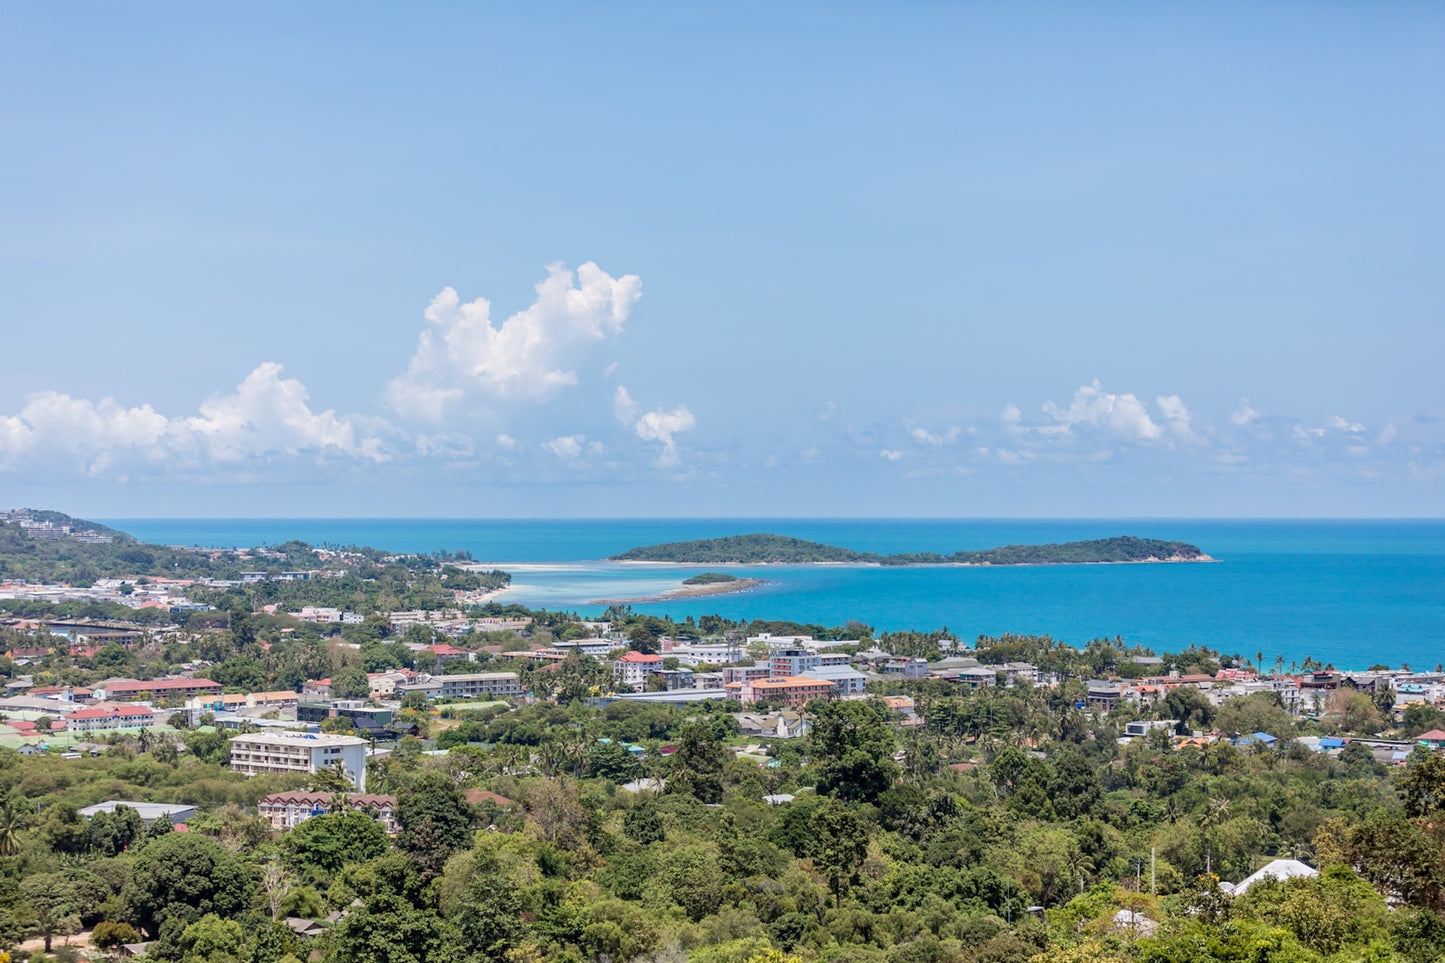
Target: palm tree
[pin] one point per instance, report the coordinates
(11, 823)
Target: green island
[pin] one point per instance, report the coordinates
(710, 578)
(763, 548)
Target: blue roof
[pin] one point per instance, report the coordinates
(1260, 737)
(1331, 742)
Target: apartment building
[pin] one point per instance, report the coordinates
(299, 752)
(791, 691)
(286, 810)
(472, 685)
(632, 668)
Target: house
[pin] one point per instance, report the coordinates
(131, 689)
(478, 796)
(791, 691)
(148, 812)
(1261, 740)
(1279, 869)
(305, 927)
(113, 716)
(1434, 739)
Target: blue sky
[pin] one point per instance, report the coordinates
(746, 259)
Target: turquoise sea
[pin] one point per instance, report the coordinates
(1352, 593)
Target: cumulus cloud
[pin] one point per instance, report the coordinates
(661, 426)
(1176, 415)
(1244, 415)
(891, 454)
(1344, 425)
(265, 417)
(566, 447)
(528, 356)
(506, 442)
(1123, 415)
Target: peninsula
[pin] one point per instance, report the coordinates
(766, 549)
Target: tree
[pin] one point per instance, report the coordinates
(350, 683)
(211, 939)
(1422, 787)
(435, 821)
(55, 902)
(329, 842)
(697, 766)
(840, 844)
(389, 928)
(11, 822)
(853, 745)
(243, 629)
(184, 876)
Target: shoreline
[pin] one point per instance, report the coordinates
(689, 592)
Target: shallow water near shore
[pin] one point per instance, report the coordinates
(1352, 593)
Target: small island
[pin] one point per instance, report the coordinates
(766, 549)
(707, 583)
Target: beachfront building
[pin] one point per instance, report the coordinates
(299, 752)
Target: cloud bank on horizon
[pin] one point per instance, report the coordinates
(516, 398)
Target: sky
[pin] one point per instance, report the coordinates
(745, 259)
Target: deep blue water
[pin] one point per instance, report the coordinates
(1348, 592)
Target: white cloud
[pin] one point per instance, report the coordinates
(527, 356)
(661, 426)
(566, 447)
(1337, 422)
(506, 442)
(1011, 414)
(1386, 435)
(266, 417)
(1176, 415)
(623, 406)
(1123, 415)
(891, 454)
(925, 436)
(1244, 416)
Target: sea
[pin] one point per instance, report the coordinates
(1347, 593)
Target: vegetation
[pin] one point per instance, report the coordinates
(710, 578)
(779, 549)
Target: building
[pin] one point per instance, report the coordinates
(704, 654)
(352, 709)
(791, 662)
(284, 810)
(845, 679)
(632, 668)
(104, 717)
(596, 648)
(791, 691)
(299, 752)
(132, 689)
(472, 685)
(148, 812)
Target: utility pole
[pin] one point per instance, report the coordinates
(1153, 890)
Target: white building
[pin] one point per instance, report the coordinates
(471, 685)
(299, 752)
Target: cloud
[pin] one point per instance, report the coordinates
(506, 442)
(1011, 414)
(661, 426)
(891, 454)
(266, 417)
(567, 447)
(1244, 416)
(1122, 415)
(923, 435)
(623, 407)
(528, 356)
(1176, 415)
(1343, 425)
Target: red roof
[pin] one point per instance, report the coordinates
(638, 657)
(159, 685)
(111, 712)
(1434, 735)
(475, 796)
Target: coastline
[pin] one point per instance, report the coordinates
(689, 592)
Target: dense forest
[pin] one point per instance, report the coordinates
(779, 549)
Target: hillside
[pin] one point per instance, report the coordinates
(763, 548)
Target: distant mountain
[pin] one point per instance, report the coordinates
(762, 548)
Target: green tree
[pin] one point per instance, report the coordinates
(211, 939)
(350, 683)
(55, 903)
(852, 744)
(840, 844)
(1422, 787)
(329, 842)
(697, 766)
(184, 876)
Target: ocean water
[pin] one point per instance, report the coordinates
(1351, 593)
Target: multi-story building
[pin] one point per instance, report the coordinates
(793, 661)
(157, 688)
(597, 648)
(845, 679)
(791, 691)
(472, 685)
(104, 717)
(285, 810)
(299, 752)
(632, 668)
